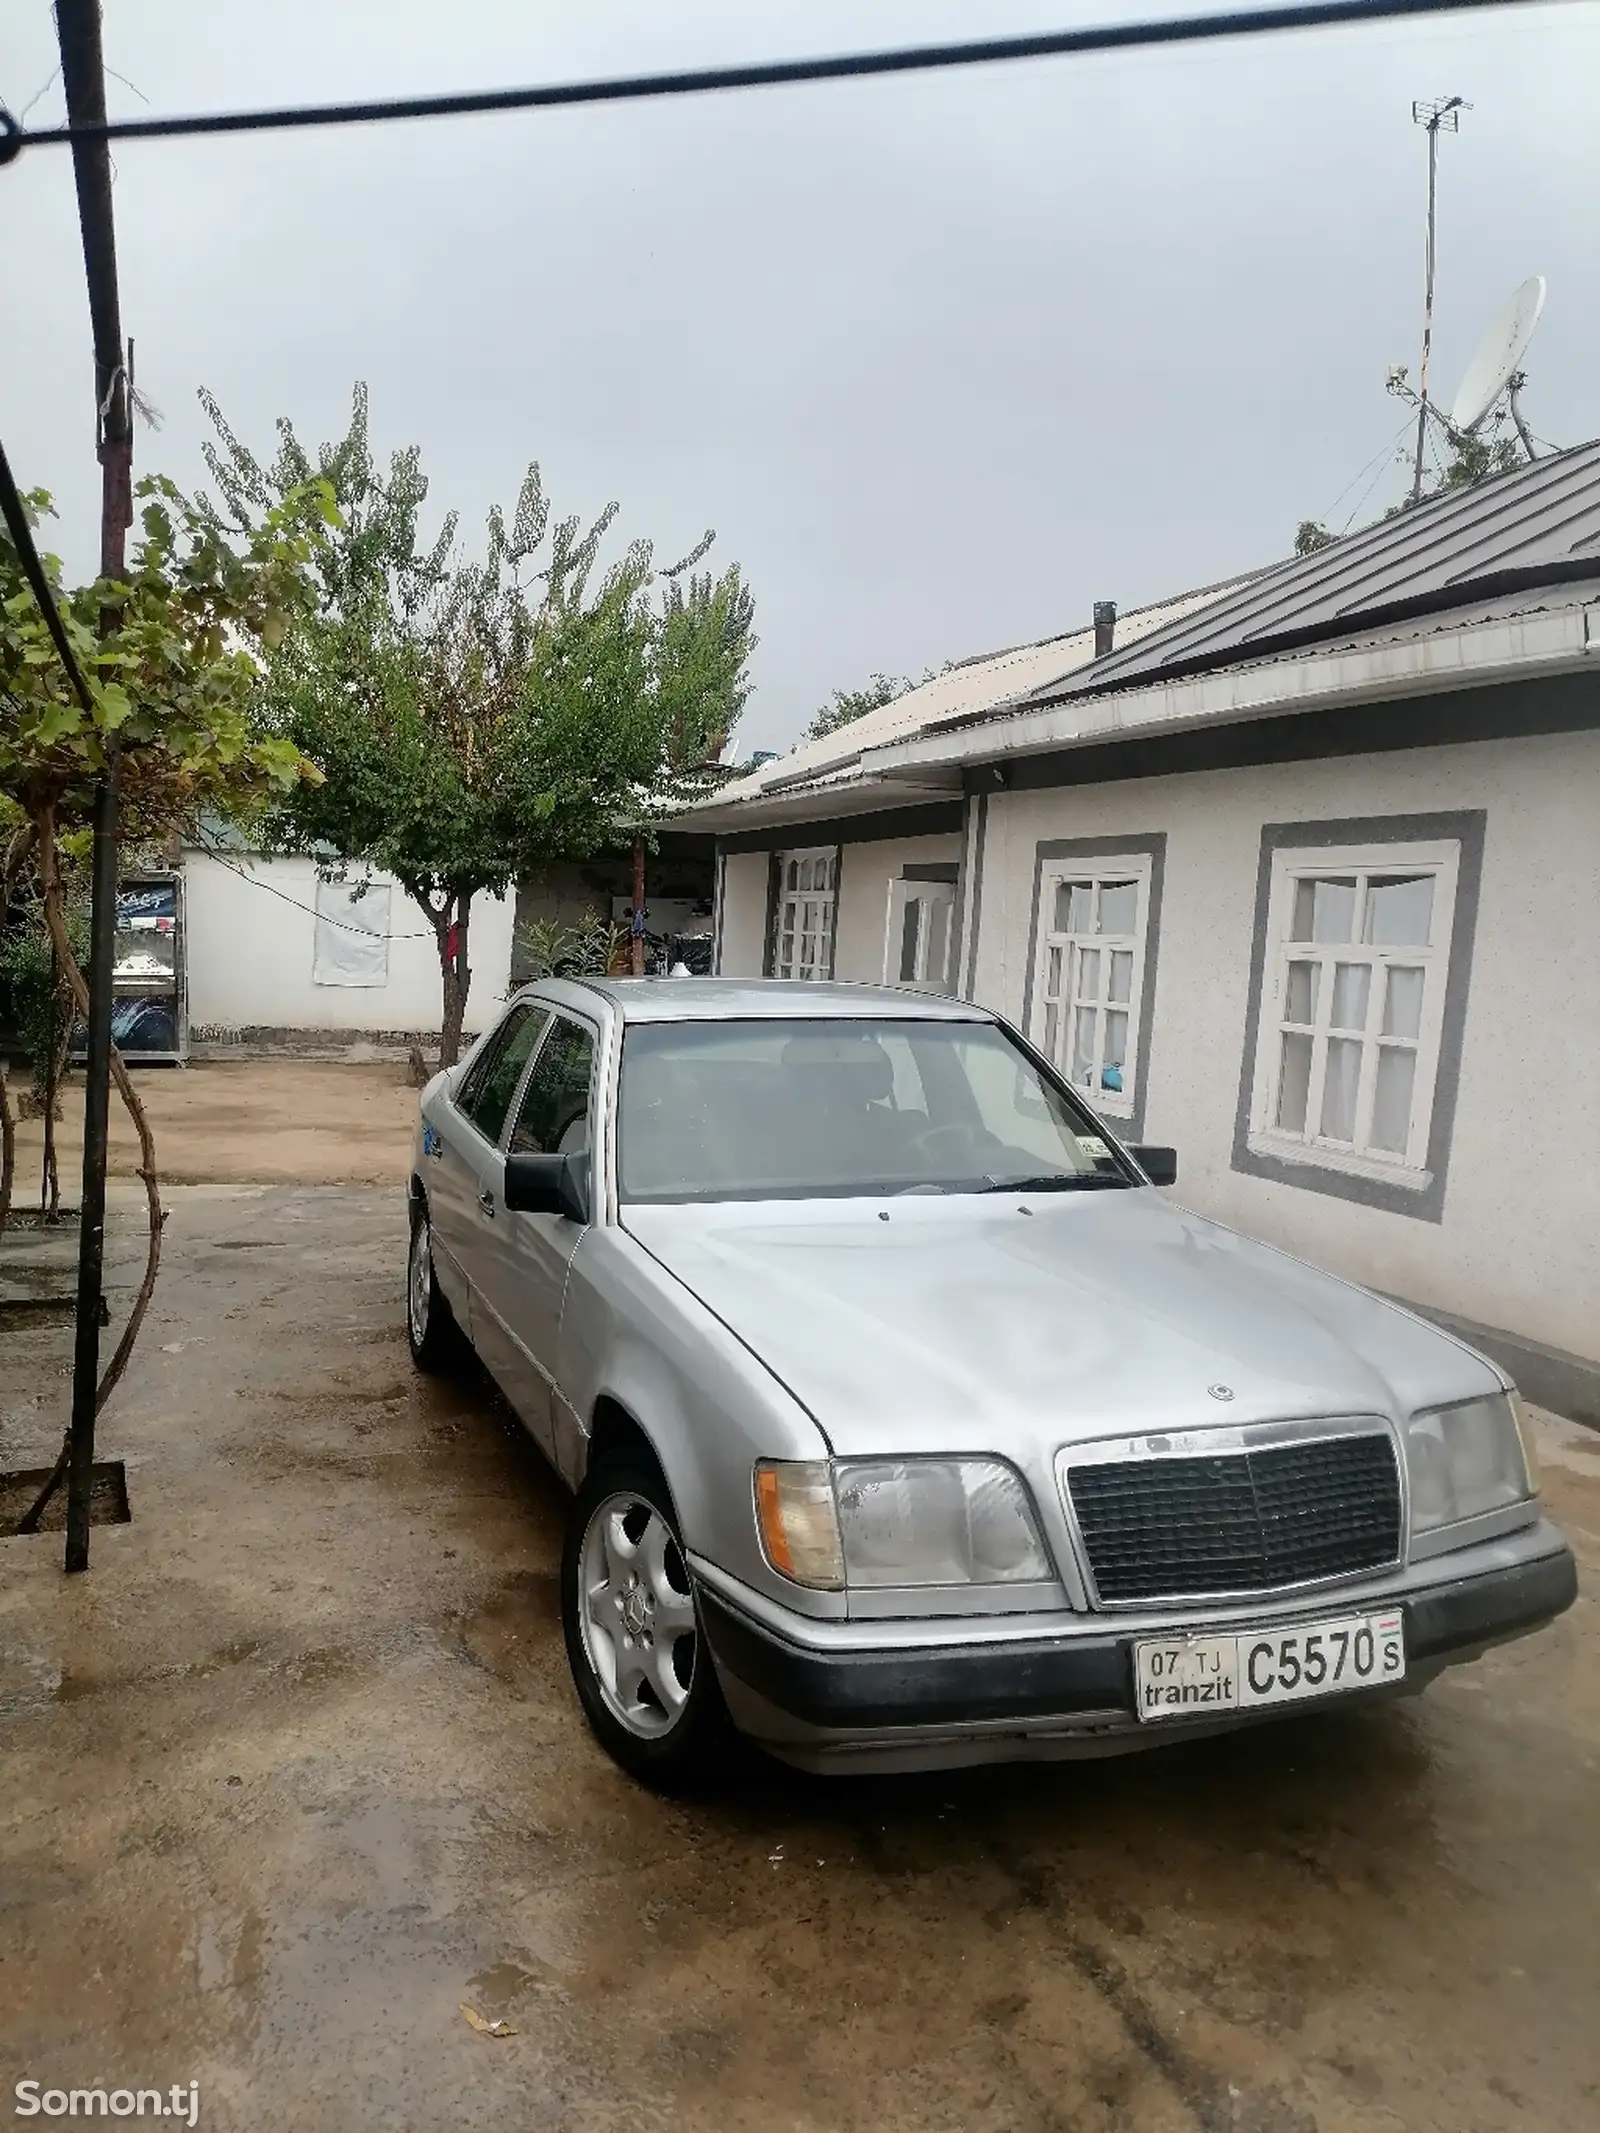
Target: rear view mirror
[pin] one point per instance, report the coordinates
(1160, 1165)
(548, 1185)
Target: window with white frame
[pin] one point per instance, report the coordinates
(916, 948)
(1093, 921)
(808, 894)
(1347, 1052)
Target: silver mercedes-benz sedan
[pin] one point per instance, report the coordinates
(909, 1424)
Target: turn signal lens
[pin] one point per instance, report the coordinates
(798, 1522)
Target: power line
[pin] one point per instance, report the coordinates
(283, 896)
(906, 59)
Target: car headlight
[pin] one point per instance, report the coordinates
(899, 1522)
(1467, 1459)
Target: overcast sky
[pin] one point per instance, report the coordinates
(943, 360)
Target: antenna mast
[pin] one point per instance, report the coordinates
(1441, 115)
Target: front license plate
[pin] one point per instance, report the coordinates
(1187, 1677)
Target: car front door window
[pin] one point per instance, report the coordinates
(490, 1086)
(553, 1117)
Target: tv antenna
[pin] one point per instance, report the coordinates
(1440, 115)
(1496, 367)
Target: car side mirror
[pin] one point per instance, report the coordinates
(1160, 1165)
(548, 1185)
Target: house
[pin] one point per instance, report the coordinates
(1300, 874)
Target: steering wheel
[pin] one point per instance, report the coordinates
(952, 1142)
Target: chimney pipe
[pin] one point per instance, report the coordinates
(1105, 626)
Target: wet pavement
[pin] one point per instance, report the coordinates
(297, 1771)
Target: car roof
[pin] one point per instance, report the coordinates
(747, 999)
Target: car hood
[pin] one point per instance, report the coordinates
(1018, 1323)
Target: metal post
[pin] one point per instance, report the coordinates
(638, 908)
(83, 78)
(1431, 116)
(96, 1123)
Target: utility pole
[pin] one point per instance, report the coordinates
(83, 78)
(1442, 115)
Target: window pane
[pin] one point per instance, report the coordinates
(1075, 907)
(1121, 974)
(554, 1117)
(1089, 973)
(1083, 1029)
(1052, 974)
(791, 876)
(1300, 1005)
(1116, 1052)
(1399, 911)
(1324, 910)
(1051, 1016)
(1391, 1102)
(1402, 1006)
(908, 940)
(786, 950)
(1294, 1084)
(1341, 1078)
(1119, 906)
(1351, 984)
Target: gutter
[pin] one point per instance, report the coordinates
(1509, 648)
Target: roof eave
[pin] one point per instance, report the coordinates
(1507, 648)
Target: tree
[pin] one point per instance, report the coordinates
(1474, 458)
(1311, 537)
(847, 705)
(478, 720)
(170, 672)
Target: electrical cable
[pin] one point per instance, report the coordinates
(776, 73)
(1382, 453)
(321, 918)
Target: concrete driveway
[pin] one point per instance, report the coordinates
(297, 1771)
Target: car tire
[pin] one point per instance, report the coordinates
(431, 1330)
(640, 1663)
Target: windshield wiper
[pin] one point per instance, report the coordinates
(1059, 1181)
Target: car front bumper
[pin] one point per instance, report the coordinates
(818, 1695)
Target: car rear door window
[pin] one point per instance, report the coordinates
(486, 1095)
(553, 1117)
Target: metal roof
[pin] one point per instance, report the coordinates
(971, 688)
(1537, 526)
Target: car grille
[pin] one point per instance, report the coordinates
(1244, 1521)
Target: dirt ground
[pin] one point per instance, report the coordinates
(296, 1772)
(257, 1122)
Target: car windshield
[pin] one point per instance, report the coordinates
(802, 1109)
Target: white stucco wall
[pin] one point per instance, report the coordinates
(1518, 1246)
(742, 915)
(865, 873)
(250, 954)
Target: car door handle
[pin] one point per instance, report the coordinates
(486, 1202)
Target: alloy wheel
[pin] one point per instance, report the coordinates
(636, 1614)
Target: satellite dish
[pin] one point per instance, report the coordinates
(1499, 355)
